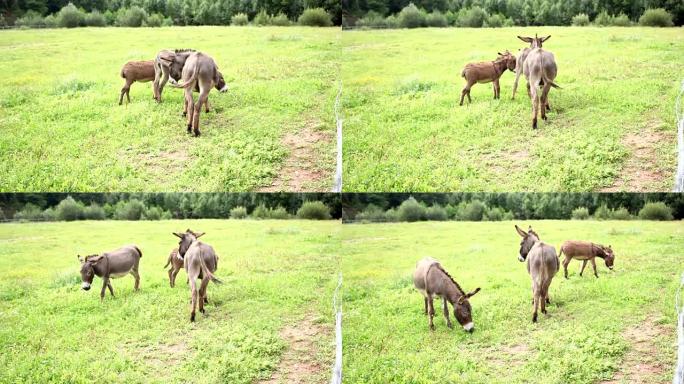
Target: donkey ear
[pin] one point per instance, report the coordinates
(198, 235)
(80, 259)
(168, 57)
(471, 294)
(520, 231)
(525, 39)
(461, 300)
(177, 234)
(545, 38)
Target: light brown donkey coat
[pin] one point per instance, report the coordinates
(486, 72)
(586, 251)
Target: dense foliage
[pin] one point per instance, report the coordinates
(508, 206)
(477, 13)
(157, 206)
(161, 12)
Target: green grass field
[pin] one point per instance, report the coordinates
(277, 276)
(611, 126)
(62, 130)
(620, 326)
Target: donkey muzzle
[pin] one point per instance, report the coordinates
(521, 259)
(85, 286)
(470, 327)
(224, 89)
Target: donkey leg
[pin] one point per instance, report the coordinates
(173, 280)
(105, 281)
(426, 305)
(593, 265)
(535, 107)
(193, 299)
(463, 93)
(123, 92)
(203, 98)
(165, 78)
(584, 264)
(431, 312)
(544, 99)
(566, 261)
(497, 89)
(515, 84)
(136, 275)
(111, 290)
(446, 313)
(189, 102)
(207, 107)
(203, 293)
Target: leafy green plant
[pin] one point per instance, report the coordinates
(658, 17)
(315, 17)
(655, 211)
(313, 210)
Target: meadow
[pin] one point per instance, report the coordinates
(270, 320)
(63, 130)
(619, 328)
(611, 126)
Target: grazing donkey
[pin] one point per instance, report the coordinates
(520, 61)
(199, 70)
(431, 279)
(114, 264)
(200, 261)
(586, 251)
(168, 64)
(176, 265)
(542, 265)
(540, 70)
(141, 71)
(485, 72)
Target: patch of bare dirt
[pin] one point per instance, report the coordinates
(640, 364)
(503, 163)
(510, 355)
(640, 172)
(162, 355)
(301, 168)
(298, 364)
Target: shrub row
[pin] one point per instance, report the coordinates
(651, 211)
(71, 17)
(477, 17)
(72, 210)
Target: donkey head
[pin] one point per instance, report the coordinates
(463, 311)
(528, 239)
(87, 271)
(174, 61)
(608, 256)
(535, 42)
(221, 85)
(509, 59)
(186, 239)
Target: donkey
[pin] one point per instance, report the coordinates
(200, 261)
(540, 70)
(485, 72)
(141, 71)
(176, 265)
(168, 63)
(114, 264)
(586, 251)
(542, 265)
(431, 279)
(520, 61)
(199, 70)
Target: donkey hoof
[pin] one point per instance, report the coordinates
(534, 318)
(451, 326)
(202, 310)
(432, 327)
(544, 118)
(192, 317)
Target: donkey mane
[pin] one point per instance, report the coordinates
(439, 266)
(183, 50)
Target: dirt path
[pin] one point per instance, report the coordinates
(641, 364)
(298, 364)
(301, 170)
(640, 172)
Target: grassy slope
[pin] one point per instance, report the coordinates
(386, 335)
(275, 273)
(405, 131)
(61, 128)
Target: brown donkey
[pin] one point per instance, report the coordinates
(433, 280)
(542, 265)
(176, 265)
(540, 70)
(586, 251)
(485, 72)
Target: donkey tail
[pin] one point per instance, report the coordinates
(138, 249)
(554, 85)
(207, 272)
(190, 82)
(168, 261)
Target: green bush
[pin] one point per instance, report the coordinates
(94, 212)
(436, 213)
(278, 213)
(70, 17)
(581, 20)
(436, 19)
(262, 18)
(260, 212)
(372, 19)
(602, 213)
(280, 20)
(110, 17)
(603, 19)
(371, 213)
(494, 214)
(315, 17)
(166, 215)
(49, 214)
(313, 210)
(658, 17)
(239, 19)
(656, 211)
(95, 19)
(620, 214)
(508, 216)
(495, 21)
(31, 19)
(580, 213)
(69, 209)
(130, 210)
(238, 213)
(155, 20)
(152, 213)
(411, 17)
(391, 215)
(50, 21)
(621, 20)
(392, 22)
(168, 22)
(473, 211)
(471, 17)
(411, 210)
(132, 17)
(29, 212)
